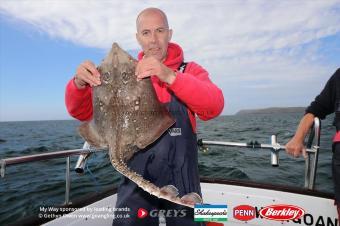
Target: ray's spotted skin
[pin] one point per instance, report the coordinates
(127, 117)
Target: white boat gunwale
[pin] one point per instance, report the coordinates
(90, 198)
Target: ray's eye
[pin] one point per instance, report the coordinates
(125, 77)
(106, 77)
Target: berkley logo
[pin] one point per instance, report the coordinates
(282, 212)
(244, 212)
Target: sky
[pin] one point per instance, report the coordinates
(261, 54)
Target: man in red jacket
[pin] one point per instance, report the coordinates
(187, 91)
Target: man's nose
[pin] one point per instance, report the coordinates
(153, 37)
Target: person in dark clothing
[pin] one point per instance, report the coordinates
(187, 91)
(327, 102)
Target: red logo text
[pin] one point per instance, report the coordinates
(244, 212)
(282, 212)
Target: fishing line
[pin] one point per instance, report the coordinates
(93, 177)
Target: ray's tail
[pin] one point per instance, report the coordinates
(168, 192)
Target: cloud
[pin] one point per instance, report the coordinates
(236, 26)
(254, 45)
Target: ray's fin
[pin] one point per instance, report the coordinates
(169, 190)
(89, 133)
(192, 198)
(155, 128)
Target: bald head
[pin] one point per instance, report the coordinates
(149, 13)
(153, 33)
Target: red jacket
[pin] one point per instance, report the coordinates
(193, 88)
(337, 137)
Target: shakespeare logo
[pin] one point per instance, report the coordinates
(211, 213)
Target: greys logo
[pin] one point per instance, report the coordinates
(168, 213)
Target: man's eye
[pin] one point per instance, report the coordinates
(145, 33)
(160, 30)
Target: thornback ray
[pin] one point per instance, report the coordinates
(127, 117)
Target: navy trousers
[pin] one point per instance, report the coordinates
(172, 159)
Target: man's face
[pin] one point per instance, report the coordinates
(153, 35)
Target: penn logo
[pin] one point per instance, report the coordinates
(244, 212)
(282, 212)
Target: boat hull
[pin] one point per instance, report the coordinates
(319, 207)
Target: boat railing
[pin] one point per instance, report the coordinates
(312, 151)
(87, 150)
(83, 153)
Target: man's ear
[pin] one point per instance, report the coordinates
(137, 37)
(170, 35)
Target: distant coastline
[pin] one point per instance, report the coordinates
(272, 110)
